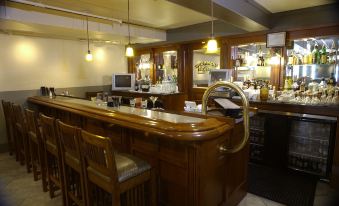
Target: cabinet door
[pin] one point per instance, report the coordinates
(276, 141)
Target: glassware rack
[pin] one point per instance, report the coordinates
(309, 146)
(257, 138)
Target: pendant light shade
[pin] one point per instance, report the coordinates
(89, 56)
(212, 44)
(129, 49)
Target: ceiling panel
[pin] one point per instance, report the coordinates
(275, 6)
(28, 29)
(153, 13)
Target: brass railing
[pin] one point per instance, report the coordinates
(245, 107)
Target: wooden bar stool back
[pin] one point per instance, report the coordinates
(123, 176)
(6, 106)
(21, 136)
(73, 164)
(52, 155)
(36, 147)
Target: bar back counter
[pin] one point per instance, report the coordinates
(182, 149)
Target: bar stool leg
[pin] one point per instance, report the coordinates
(153, 190)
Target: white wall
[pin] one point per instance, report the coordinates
(28, 62)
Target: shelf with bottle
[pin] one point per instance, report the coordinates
(250, 55)
(316, 131)
(166, 65)
(308, 164)
(256, 152)
(257, 138)
(309, 148)
(254, 61)
(315, 51)
(295, 153)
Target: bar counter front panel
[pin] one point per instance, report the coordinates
(183, 150)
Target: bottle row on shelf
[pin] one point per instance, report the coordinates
(257, 136)
(315, 131)
(322, 51)
(308, 164)
(312, 85)
(256, 152)
(315, 149)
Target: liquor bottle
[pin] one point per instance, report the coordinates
(295, 85)
(316, 54)
(260, 58)
(323, 83)
(332, 54)
(238, 61)
(331, 80)
(290, 59)
(302, 85)
(264, 92)
(323, 59)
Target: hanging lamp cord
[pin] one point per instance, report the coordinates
(212, 18)
(87, 34)
(129, 34)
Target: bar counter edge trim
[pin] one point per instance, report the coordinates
(209, 129)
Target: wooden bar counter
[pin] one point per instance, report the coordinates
(183, 150)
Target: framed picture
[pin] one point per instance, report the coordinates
(276, 39)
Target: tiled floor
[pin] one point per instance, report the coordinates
(17, 188)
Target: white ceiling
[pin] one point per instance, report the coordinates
(275, 6)
(150, 18)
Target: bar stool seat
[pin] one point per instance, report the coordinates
(127, 166)
(126, 178)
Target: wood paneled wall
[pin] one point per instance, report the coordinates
(185, 54)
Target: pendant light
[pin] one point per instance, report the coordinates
(89, 56)
(212, 45)
(129, 49)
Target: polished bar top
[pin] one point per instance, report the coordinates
(146, 93)
(176, 126)
(154, 115)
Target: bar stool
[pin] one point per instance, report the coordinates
(52, 155)
(6, 106)
(20, 132)
(73, 164)
(36, 147)
(123, 176)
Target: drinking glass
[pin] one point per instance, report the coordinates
(153, 99)
(132, 102)
(144, 104)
